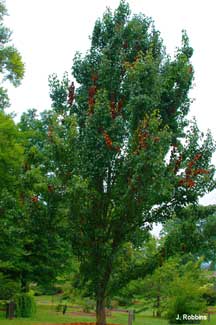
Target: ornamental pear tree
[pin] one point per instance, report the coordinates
(125, 149)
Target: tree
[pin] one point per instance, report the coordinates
(12, 69)
(176, 287)
(47, 253)
(119, 139)
(133, 267)
(191, 231)
(10, 152)
(11, 65)
(11, 159)
(185, 295)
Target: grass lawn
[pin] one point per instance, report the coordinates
(46, 314)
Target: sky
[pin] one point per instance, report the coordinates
(47, 33)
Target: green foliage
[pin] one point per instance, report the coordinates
(186, 292)
(42, 202)
(25, 305)
(191, 231)
(210, 291)
(11, 152)
(185, 298)
(174, 288)
(11, 65)
(9, 287)
(124, 298)
(132, 263)
(4, 99)
(11, 159)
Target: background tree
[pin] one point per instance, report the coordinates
(47, 252)
(191, 231)
(11, 158)
(11, 65)
(178, 286)
(134, 265)
(119, 135)
(11, 225)
(185, 294)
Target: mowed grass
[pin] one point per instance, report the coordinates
(46, 314)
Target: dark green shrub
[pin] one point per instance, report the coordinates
(25, 305)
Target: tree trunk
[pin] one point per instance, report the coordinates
(158, 312)
(100, 311)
